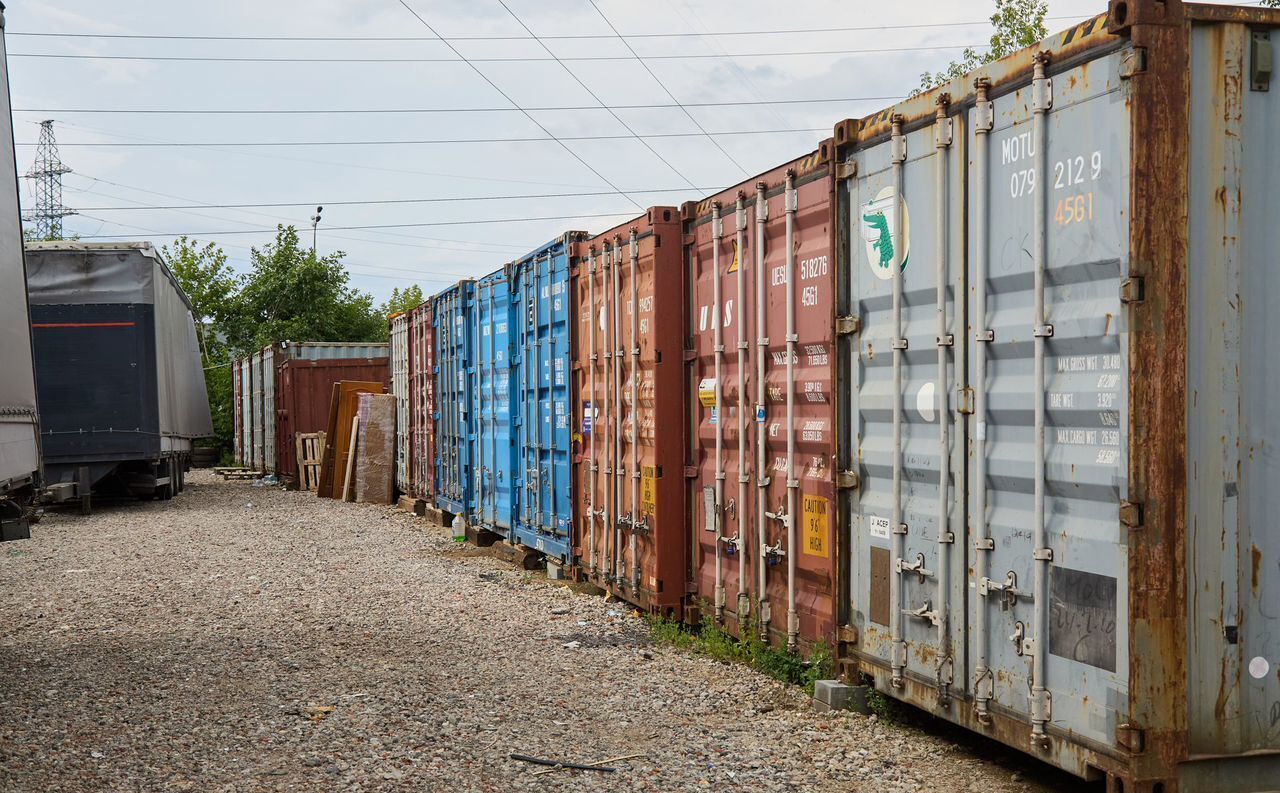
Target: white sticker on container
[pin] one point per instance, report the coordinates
(878, 527)
(982, 430)
(1259, 667)
(924, 401)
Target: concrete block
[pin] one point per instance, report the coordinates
(555, 572)
(835, 695)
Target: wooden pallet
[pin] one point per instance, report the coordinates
(242, 474)
(310, 454)
(229, 469)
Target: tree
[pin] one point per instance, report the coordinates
(291, 294)
(1017, 23)
(210, 284)
(401, 302)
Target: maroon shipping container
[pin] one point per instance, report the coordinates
(762, 407)
(422, 401)
(628, 294)
(304, 391)
(237, 420)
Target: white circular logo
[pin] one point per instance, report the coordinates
(877, 233)
(1258, 667)
(924, 401)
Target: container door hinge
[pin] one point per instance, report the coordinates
(689, 355)
(964, 401)
(1130, 515)
(1260, 61)
(690, 472)
(847, 480)
(847, 634)
(1131, 738)
(847, 169)
(1132, 289)
(847, 325)
(1133, 61)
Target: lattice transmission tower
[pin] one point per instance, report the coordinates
(46, 176)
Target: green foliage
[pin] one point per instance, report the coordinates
(1270, 3)
(884, 708)
(289, 295)
(712, 641)
(1017, 23)
(400, 302)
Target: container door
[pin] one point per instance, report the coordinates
(546, 497)
(494, 452)
(400, 388)
(255, 364)
(454, 336)
(907, 551)
(269, 455)
(1048, 470)
(246, 413)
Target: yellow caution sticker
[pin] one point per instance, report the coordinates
(815, 526)
(733, 268)
(707, 392)
(648, 489)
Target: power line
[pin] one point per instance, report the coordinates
(391, 201)
(485, 221)
(516, 104)
(432, 142)
(561, 37)
(668, 57)
(666, 90)
(454, 110)
(599, 101)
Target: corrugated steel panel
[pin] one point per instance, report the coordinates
(497, 413)
(422, 389)
(257, 429)
(304, 394)
(330, 350)
(543, 369)
(400, 384)
(246, 413)
(455, 340)
(763, 405)
(1056, 535)
(237, 420)
(631, 540)
(19, 424)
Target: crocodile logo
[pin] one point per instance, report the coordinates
(877, 233)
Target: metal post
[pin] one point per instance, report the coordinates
(790, 205)
(593, 465)
(717, 320)
(898, 155)
(984, 119)
(762, 415)
(942, 143)
(740, 506)
(635, 408)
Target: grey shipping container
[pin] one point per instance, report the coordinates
(1058, 294)
(119, 378)
(19, 426)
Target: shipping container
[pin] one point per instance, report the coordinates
(19, 422)
(543, 399)
(119, 377)
(1062, 531)
(237, 415)
(762, 403)
(304, 395)
(246, 413)
(455, 421)
(628, 304)
(400, 380)
(422, 400)
(497, 413)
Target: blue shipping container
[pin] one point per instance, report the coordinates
(493, 449)
(544, 510)
(454, 416)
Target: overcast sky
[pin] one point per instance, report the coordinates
(746, 68)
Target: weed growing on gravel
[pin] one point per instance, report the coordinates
(710, 640)
(883, 707)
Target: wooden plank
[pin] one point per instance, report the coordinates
(351, 458)
(344, 405)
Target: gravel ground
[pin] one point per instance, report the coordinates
(245, 638)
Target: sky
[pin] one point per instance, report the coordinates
(448, 210)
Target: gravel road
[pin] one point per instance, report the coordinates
(243, 638)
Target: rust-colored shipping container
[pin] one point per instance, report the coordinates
(762, 403)
(304, 391)
(422, 400)
(629, 296)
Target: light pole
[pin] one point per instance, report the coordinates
(315, 224)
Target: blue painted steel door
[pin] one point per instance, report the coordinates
(496, 408)
(544, 512)
(454, 416)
